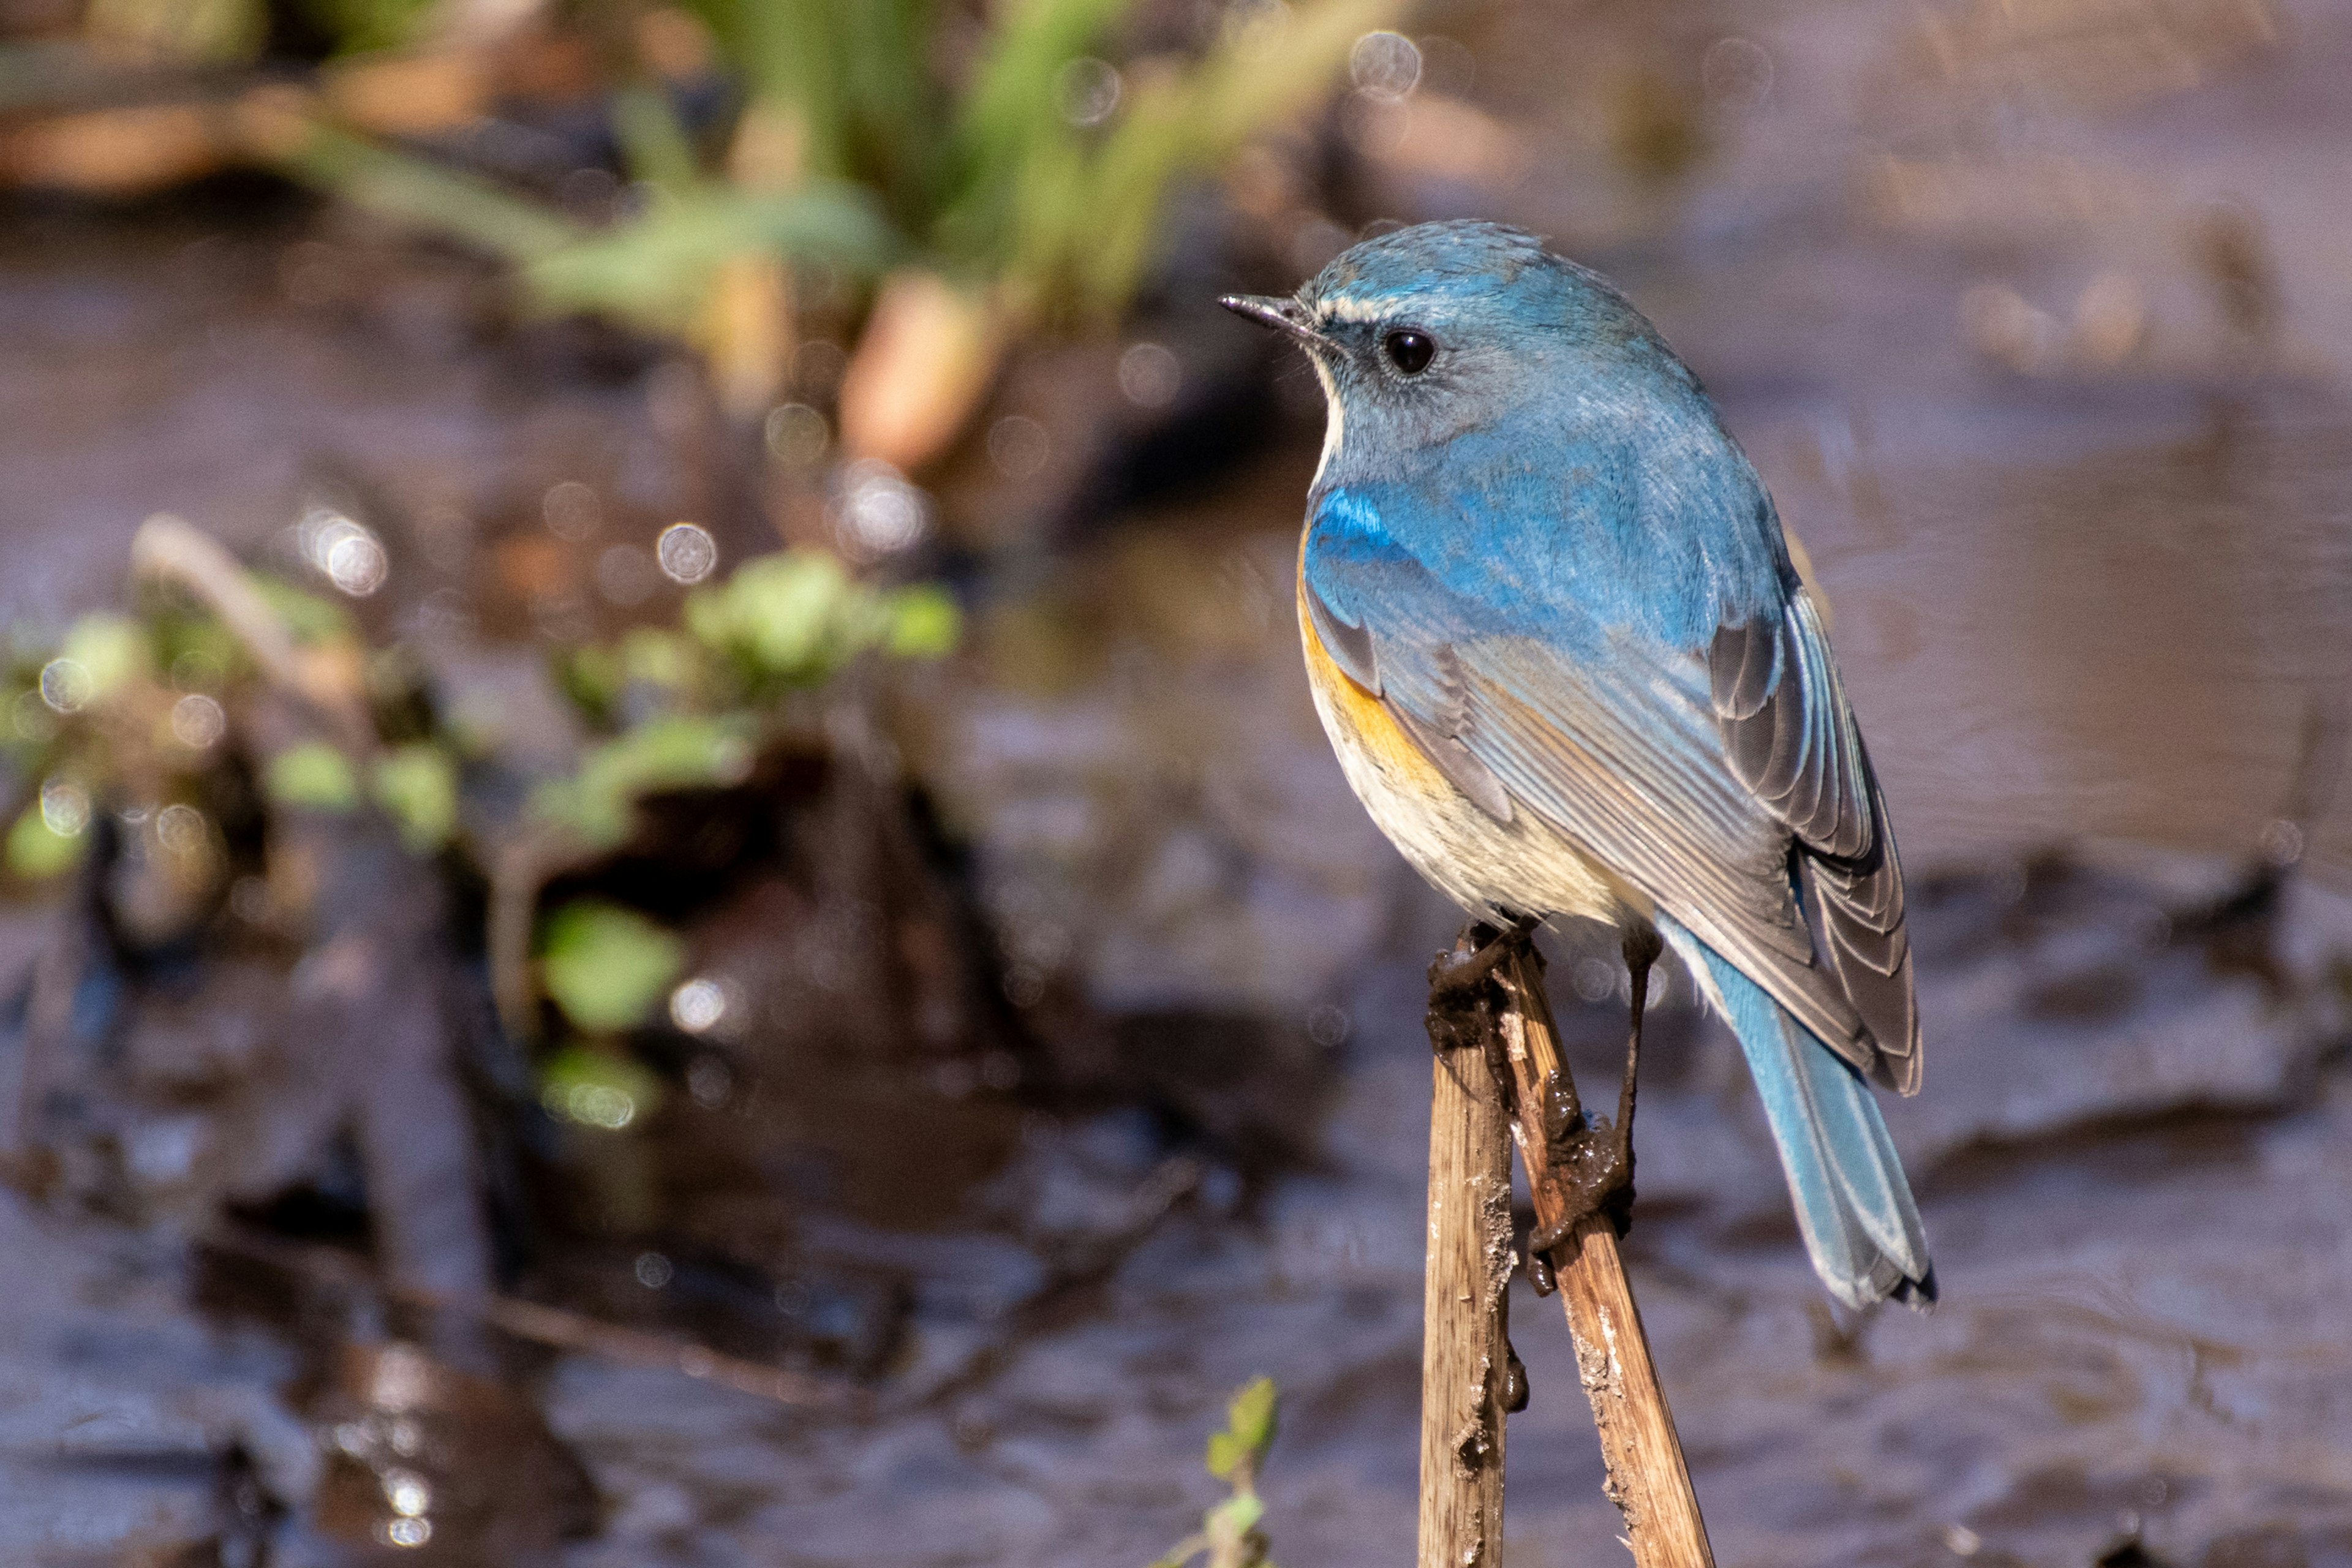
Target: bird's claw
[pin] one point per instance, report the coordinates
(1588, 1165)
(1591, 1168)
(1454, 973)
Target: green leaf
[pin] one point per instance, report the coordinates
(654, 144)
(196, 646)
(605, 965)
(1252, 1413)
(1236, 1517)
(423, 195)
(670, 753)
(592, 675)
(312, 775)
(1225, 1451)
(1015, 92)
(357, 25)
(37, 851)
(790, 616)
(657, 268)
(925, 622)
(416, 784)
(112, 648)
(789, 52)
(598, 1089)
(310, 618)
(657, 657)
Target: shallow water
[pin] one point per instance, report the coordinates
(2077, 597)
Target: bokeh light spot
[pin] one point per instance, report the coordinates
(198, 721)
(1018, 445)
(1150, 375)
(1385, 66)
(686, 552)
(1087, 90)
(66, 685)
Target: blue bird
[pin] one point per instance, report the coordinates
(1556, 639)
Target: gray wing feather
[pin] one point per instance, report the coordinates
(1348, 645)
(1798, 748)
(1437, 731)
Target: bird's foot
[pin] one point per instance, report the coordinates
(1470, 963)
(1592, 1169)
(1588, 1167)
(1593, 1176)
(1462, 997)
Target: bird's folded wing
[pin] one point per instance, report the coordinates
(1792, 738)
(1627, 748)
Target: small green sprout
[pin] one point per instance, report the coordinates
(606, 966)
(1229, 1536)
(312, 775)
(416, 784)
(40, 846)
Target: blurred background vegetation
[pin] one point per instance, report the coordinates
(671, 895)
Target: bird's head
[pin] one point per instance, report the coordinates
(1426, 333)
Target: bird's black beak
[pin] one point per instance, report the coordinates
(1282, 315)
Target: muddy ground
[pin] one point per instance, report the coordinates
(2089, 601)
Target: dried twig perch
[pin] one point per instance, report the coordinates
(1468, 1377)
(1648, 1479)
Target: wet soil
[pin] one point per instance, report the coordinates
(2081, 598)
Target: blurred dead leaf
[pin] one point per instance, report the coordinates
(119, 151)
(675, 44)
(2108, 326)
(1444, 137)
(1985, 199)
(272, 122)
(748, 333)
(529, 566)
(2110, 320)
(2230, 252)
(1653, 122)
(928, 354)
(768, 151)
(409, 95)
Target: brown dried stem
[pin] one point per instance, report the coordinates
(1466, 1360)
(1648, 1479)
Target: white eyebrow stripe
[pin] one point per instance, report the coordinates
(1347, 310)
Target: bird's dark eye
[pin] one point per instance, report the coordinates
(1408, 351)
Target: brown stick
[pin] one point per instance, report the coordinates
(1466, 1295)
(1648, 1479)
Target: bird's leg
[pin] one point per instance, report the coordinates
(1595, 1165)
(1642, 949)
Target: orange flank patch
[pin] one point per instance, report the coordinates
(1361, 722)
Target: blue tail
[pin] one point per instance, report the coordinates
(1852, 1203)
